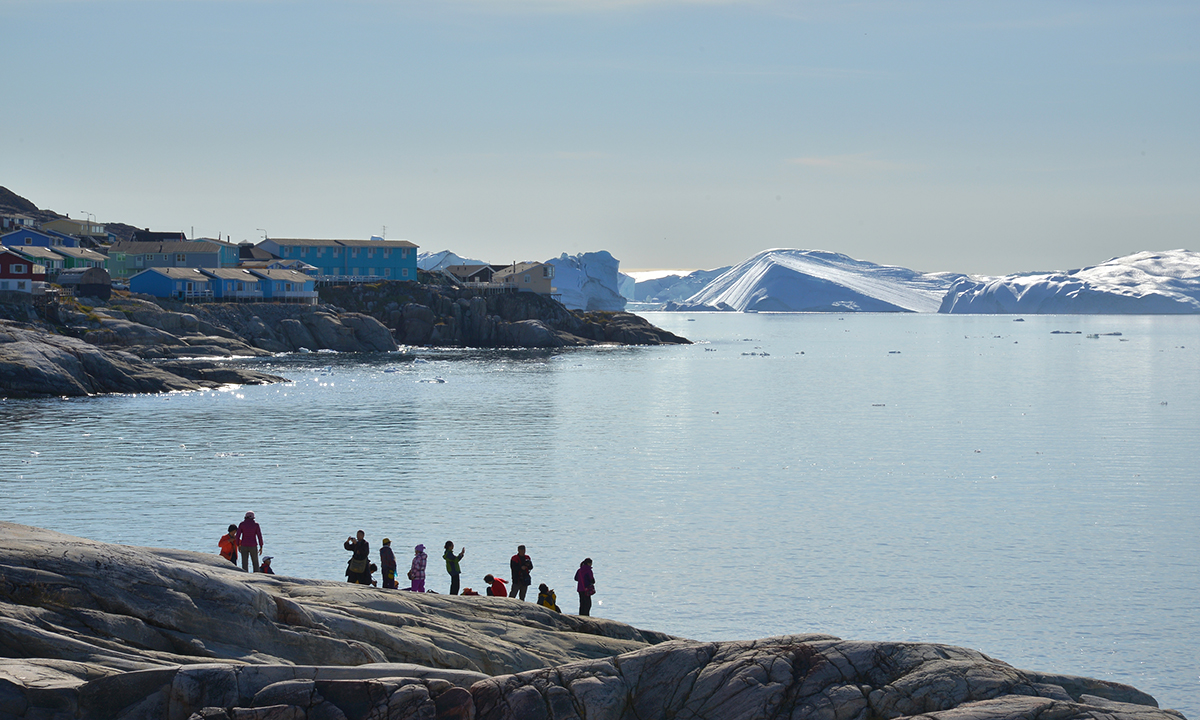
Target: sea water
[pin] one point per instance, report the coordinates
(1024, 486)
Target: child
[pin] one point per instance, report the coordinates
(496, 586)
(265, 565)
(547, 598)
(228, 545)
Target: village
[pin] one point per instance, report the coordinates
(80, 257)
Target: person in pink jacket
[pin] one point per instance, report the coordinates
(249, 541)
(417, 572)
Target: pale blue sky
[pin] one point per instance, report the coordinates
(977, 137)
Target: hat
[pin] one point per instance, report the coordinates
(420, 548)
(250, 516)
(387, 542)
(267, 558)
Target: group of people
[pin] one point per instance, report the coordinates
(246, 540)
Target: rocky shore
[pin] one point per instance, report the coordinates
(131, 344)
(93, 630)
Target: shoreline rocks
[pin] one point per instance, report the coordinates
(94, 630)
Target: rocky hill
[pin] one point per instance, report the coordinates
(93, 630)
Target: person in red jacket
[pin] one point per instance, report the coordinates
(228, 545)
(497, 587)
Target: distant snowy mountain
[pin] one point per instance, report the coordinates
(588, 281)
(1143, 283)
(817, 281)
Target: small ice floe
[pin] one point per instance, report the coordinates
(420, 361)
(34, 453)
(1093, 336)
(303, 350)
(756, 354)
(878, 405)
(327, 351)
(433, 380)
(1066, 332)
(392, 370)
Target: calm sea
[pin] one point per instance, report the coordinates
(978, 481)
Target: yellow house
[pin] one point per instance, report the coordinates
(532, 277)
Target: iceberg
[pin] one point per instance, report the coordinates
(588, 281)
(434, 261)
(786, 280)
(675, 286)
(1157, 283)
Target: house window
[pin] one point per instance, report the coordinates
(403, 252)
(3, 284)
(303, 252)
(17, 268)
(387, 252)
(336, 251)
(180, 258)
(353, 252)
(404, 272)
(320, 251)
(547, 271)
(526, 277)
(28, 241)
(20, 284)
(387, 272)
(370, 252)
(139, 260)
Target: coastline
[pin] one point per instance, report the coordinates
(99, 630)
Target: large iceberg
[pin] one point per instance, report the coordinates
(784, 280)
(588, 281)
(434, 261)
(675, 286)
(1143, 283)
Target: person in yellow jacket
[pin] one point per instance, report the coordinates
(547, 598)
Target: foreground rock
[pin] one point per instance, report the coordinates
(91, 630)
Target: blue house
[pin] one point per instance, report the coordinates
(186, 284)
(349, 260)
(235, 284)
(28, 237)
(287, 286)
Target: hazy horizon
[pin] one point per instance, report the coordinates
(936, 136)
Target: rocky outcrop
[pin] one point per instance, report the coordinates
(449, 315)
(36, 363)
(91, 630)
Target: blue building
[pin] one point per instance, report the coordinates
(349, 260)
(28, 237)
(287, 286)
(186, 284)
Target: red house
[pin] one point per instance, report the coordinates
(18, 274)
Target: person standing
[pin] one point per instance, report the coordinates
(585, 583)
(520, 566)
(249, 541)
(387, 563)
(228, 545)
(452, 565)
(416, 573)
(358, 568)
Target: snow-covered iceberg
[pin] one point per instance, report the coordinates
(675, 287)
(1143, 283)
(783, 280)
(588, 281)
(434, 261)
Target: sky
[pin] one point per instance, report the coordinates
(976, 137)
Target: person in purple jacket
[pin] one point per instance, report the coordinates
(249, 541)
(585, 583)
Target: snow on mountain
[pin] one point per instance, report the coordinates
(588, 281)
(784, 280)
(1143, 283)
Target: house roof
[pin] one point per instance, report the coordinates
(154, 236)
(519, 268)
(144, 248)
(81, 253)
(281, 274)
(177, 273)
(230, 274)
(311, 242)
(37, 251)
(28, 231)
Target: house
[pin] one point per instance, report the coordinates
(128, 258)
(235, 284)
(90, 282)
(44, 256)
(92, 232)
(473, 273)
(28, 237)
(349, 260)
(287, 286)
(81, 257)
(533, 277)
(16, 221)
(19, 274)
(149, 235)
(187, 284)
